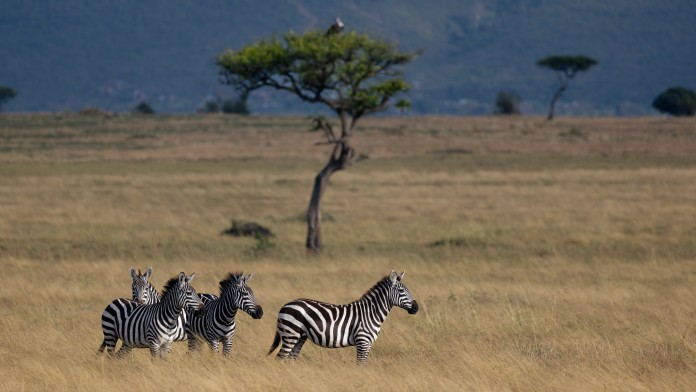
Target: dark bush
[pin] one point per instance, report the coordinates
(235, 106)
(507, 103)
(677, 101)
(144, 108)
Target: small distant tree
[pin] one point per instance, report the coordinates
(6, 94)
(507, 103)
(144, 108)
(566, 67)
(403, 105)
(351, 74)
(677, 101)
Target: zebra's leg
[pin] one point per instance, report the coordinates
(155, 349)
(298, 346)
(214, 344)
(288, 343)
(227, 345)
(363, 349)
(193, 345)
(109, 343)
(166, 348)
(123, 352)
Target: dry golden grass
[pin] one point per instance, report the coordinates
(545, 256)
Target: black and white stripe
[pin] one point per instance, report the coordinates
(218, 324)
(152, 326)
(355, 324)
(120, 308)
(145, 293)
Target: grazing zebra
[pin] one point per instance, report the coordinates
(355, 324)
(218, 322)
(152, 326)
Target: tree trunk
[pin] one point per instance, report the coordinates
(341, 158)
(555, 98)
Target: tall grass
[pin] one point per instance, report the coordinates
(535, 270)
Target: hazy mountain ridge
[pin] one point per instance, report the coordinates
(71, 54)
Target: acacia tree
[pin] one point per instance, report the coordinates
(351, 74)
(566, 67)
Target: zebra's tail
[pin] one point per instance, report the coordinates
(103, 346)
(275, 344)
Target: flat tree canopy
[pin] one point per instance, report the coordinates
(350, 73)
(569, 65)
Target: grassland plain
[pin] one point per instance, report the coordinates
(545, 256)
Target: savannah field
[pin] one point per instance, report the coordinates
(544, 256)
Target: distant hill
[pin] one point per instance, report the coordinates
(71, 54)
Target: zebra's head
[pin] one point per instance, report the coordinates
(235, 286)
(399, 294)
(183, 293)
(142, 289)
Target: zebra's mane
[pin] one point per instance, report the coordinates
(230, 280)
(385, 281)
(169, 286)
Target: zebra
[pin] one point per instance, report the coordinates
(218, 322)
(144, 292)
(120, 308)
(355, 324)
(152, 326)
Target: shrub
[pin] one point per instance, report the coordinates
(235, 106)
(507, 103)
(144, 108)
(677, 101)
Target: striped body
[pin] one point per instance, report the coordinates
(144, 292)
(218, 324)
(355, 324)
(152, 326)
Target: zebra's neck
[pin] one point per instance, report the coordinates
(227, 305)
(171, 308)
(376, 301)
(154, 295)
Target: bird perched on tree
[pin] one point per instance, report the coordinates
(336, 27)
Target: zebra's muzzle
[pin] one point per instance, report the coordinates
(257, 314)
(200, 310)
(414, 307)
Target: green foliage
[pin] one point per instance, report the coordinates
(568, 65)
(403, 105)
(677, 101)
(350, 73)
(6, 94)
(507, 102)
(144, 108)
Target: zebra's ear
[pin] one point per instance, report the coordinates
(401, 277)
(392, 276)
(190, 277)
(133, 272)
(182, 278)
(148, 273)
(248, 278)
